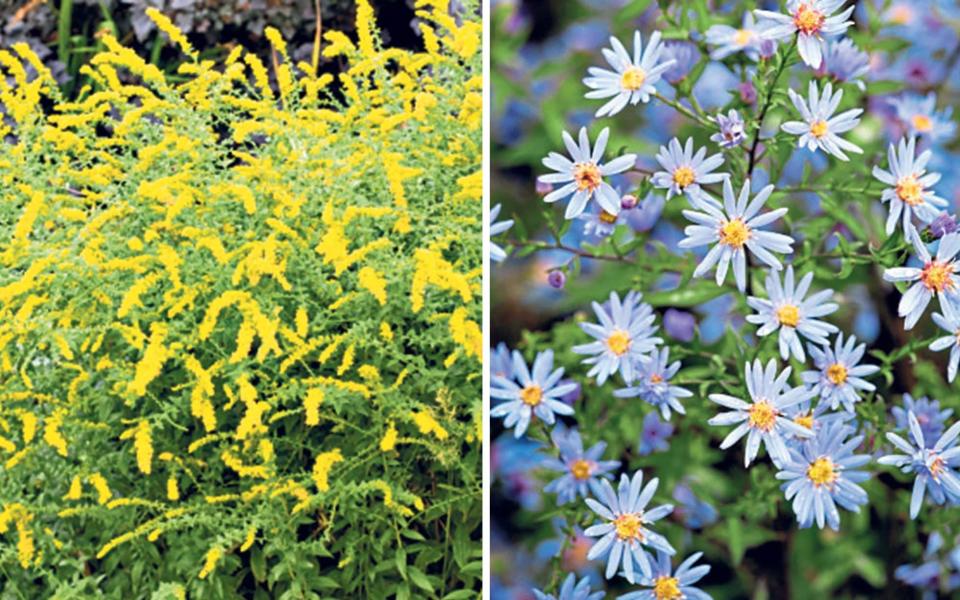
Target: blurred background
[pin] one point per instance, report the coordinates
(540, 52)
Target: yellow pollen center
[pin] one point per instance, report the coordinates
(734, 233)
(632, 79)
(619, 342)
(788, 315)
(742, 37)
(655, 378)
(818, 129)
(822, 472)
(667, 588)
(684, 176)
(762, 416)
(922, 123)
(808, 19)
(587, 175)
(608, 218)
(837, 373)
(937, 466)
(936, 276)
(804, 420)
(580, 469)
(629, 527)
(909, 190)
(531, 395)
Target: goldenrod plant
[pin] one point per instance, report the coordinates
(239, 322)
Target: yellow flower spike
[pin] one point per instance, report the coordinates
(165, 25)
(51, 431)
(76, 489)
(99, 484)
(276, 40)
(467, 333)
(389, 441)
(322, 466)
(154, 357)
(365, 26)
(142, 444)
(173, 491)
(347, 360)
(249, 539)
(373, 282)
(385, 332)
(311, 406)
(427, 424)
(210, 562)
(302, 321)
(29, 423)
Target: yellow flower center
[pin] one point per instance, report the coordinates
(655, 378)
(937, 467)
(632, 79)
(837, 373)
(629, 527)
(619, 342)
(580, 469)
(909, 190)
(822, 472)
(587, 175)
(922, 123)
(804, 420)
(531, 395)
(818, 128)
(762, 416)
(734, 233)
(742, 37)
(808, 19)
(684, 176)
(788, 315)
(667, 588)
(608, 218)
(936, 276)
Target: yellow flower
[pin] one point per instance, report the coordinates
(51, 431)
(373, 282)
(166, 25)
(427, 424)
(155, 355)
(210, 562)
(173, 491)
(321, 468)
(389, 441)
(311, 406)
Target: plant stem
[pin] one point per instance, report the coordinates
(766, 106)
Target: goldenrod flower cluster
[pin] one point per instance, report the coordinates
(239, 318)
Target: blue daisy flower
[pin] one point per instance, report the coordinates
(732, 129)
(730, 40)
(786, 310)
(937, 277)
(845, 63)
(763, 418)
(571, 589)
(929, 415)
(920, 116)
(624, 337)
(623, 533)
(538, 393)
(821, 474)
(949, 321)
(501, 363)
(933, 466)
(580, 468)
(652, 384)
(497, 254)
(683, 171)
(654, 435)
(665, 584)
(839, 375)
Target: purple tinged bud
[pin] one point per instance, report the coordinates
(767, 48)
(544, 188)
(679, 325)
(748, 93)
(556, 279)
(628, 202)
(944, 223)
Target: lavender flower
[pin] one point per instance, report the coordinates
(929, 415)
(731, 130)
(654, 435)
(580, 469)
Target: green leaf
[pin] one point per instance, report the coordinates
(692, 294)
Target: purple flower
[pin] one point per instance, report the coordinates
(748, 93)
(647, 212)
(844, 62)
(731, 130)
(580, 469)
(694, 512)
(685, 54)
(653, 437)
(556, 279)
(928, 413)
(679, 325)
(628, 202)
(943, 224)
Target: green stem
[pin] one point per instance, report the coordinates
(64, 20)
(684, 110)
(767, 101)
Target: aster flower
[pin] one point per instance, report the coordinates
(786, 310)
(571, 589)
(814, 418)
(910, 194)
(920, 116)
(838, 378)
(496, 252)
(684, 172)
(632, 80)
(936, 278)
(582, 174)
(731, 130)
(762, 419)
(812, 21)
(734, 230)
(652, 384)
(601, 223)
(665, 584)
(684, 56)
(932, 465)
(942, 225)
(731, 40)
(623, 531)
(931, 418)
(580, 469)
(927, 576)
(694, 512)
(820, 128)
(949, 321)
(501, 362)
(538, 393)
(845, 63)
(822, 474)
(624, 337)
(654, 435)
